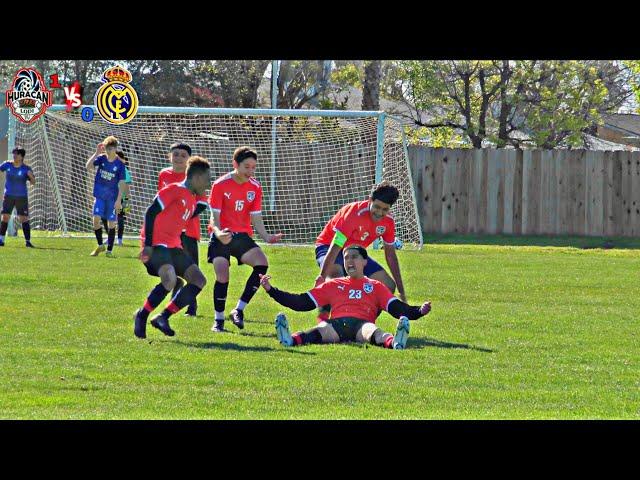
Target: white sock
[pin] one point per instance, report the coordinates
(219, 316)
(241, 305)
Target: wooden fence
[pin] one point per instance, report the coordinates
(548, 192)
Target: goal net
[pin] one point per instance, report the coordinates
(310, 164)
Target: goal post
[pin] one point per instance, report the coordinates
(310, 163)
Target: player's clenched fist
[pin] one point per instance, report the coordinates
(425, 308)
(145, 254)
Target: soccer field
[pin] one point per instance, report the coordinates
(516, 332)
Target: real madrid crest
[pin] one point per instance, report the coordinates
(368, 288)
(116, 100)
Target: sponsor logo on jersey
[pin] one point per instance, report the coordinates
(368, 288)
(228, 195)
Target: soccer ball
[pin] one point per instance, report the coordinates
(397, 244)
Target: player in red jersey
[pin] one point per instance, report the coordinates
(360, 223)
(179, 153)
(356, 301)
(162, 253)
(236, 201)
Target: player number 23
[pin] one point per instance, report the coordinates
(355, 294)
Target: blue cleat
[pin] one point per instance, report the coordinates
(282, 330)
(162, 323)
(402, 334)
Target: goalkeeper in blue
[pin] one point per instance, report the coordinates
(356, 301)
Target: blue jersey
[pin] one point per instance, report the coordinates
(107, 177)
(16, 181)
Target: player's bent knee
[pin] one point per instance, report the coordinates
(367, 332)
(328, 333)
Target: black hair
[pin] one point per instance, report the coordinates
(240, 154)
(181, 146)
(385, 192)
(360, 249)
(196, 165)
(123, 157)
(19, 151)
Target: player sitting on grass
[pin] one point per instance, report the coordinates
(236, 202)
(361, 223)
(179, 153)
(16, 194)
(162, 253)
(356, 302)
(108, 188)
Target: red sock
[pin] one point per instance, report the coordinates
(147, 306)
(323, 317)
(388, 343)
(172, 307)
(297, 339)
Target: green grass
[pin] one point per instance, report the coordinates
(516, 332)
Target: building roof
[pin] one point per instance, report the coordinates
(625, 122)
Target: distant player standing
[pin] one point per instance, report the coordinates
(126, 208)
(356, 302)
(16, 194)
(163, 255)
(360, 223)
(179, 153)
(236, 202)
(108, 188)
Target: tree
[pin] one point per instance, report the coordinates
(371, 90)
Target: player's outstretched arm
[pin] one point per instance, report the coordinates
(394, 265)
(99, 151)
(397, 308)
(258, 224)
(298, 302)
(332, 254)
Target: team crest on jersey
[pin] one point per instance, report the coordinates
(380, 230)
(368, 288)
(116, 100)
(251, 196)
(28, 97)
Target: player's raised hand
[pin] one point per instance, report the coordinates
(145, 254)
(264, 281)
(100, 149)
(224, 236)
(275, 237)
(425, 308)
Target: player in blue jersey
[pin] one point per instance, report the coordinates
(126, 207)
(108, 189)
(16, 194)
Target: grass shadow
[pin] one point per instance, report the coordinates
(413, 343)
(534, 240)
(260, 335)
(52, 248)
(235, 347)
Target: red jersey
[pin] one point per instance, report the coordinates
(354, 222)
(178, 205)
(168, 176)
(360, 298)
(236, 202)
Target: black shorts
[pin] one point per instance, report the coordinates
(347, 328)
(240, 244)
(21, 204)
(177, 257)
(190, 246)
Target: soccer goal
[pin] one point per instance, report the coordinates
(311, 163)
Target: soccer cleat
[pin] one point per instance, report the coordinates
(119, 242)
(402, 334)
(162, 323)
(218, 326)
(109, 254)
(28, 244)
(139, 325)
(282, 330)
(237, 317)
(99, 249)
(1, 243)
